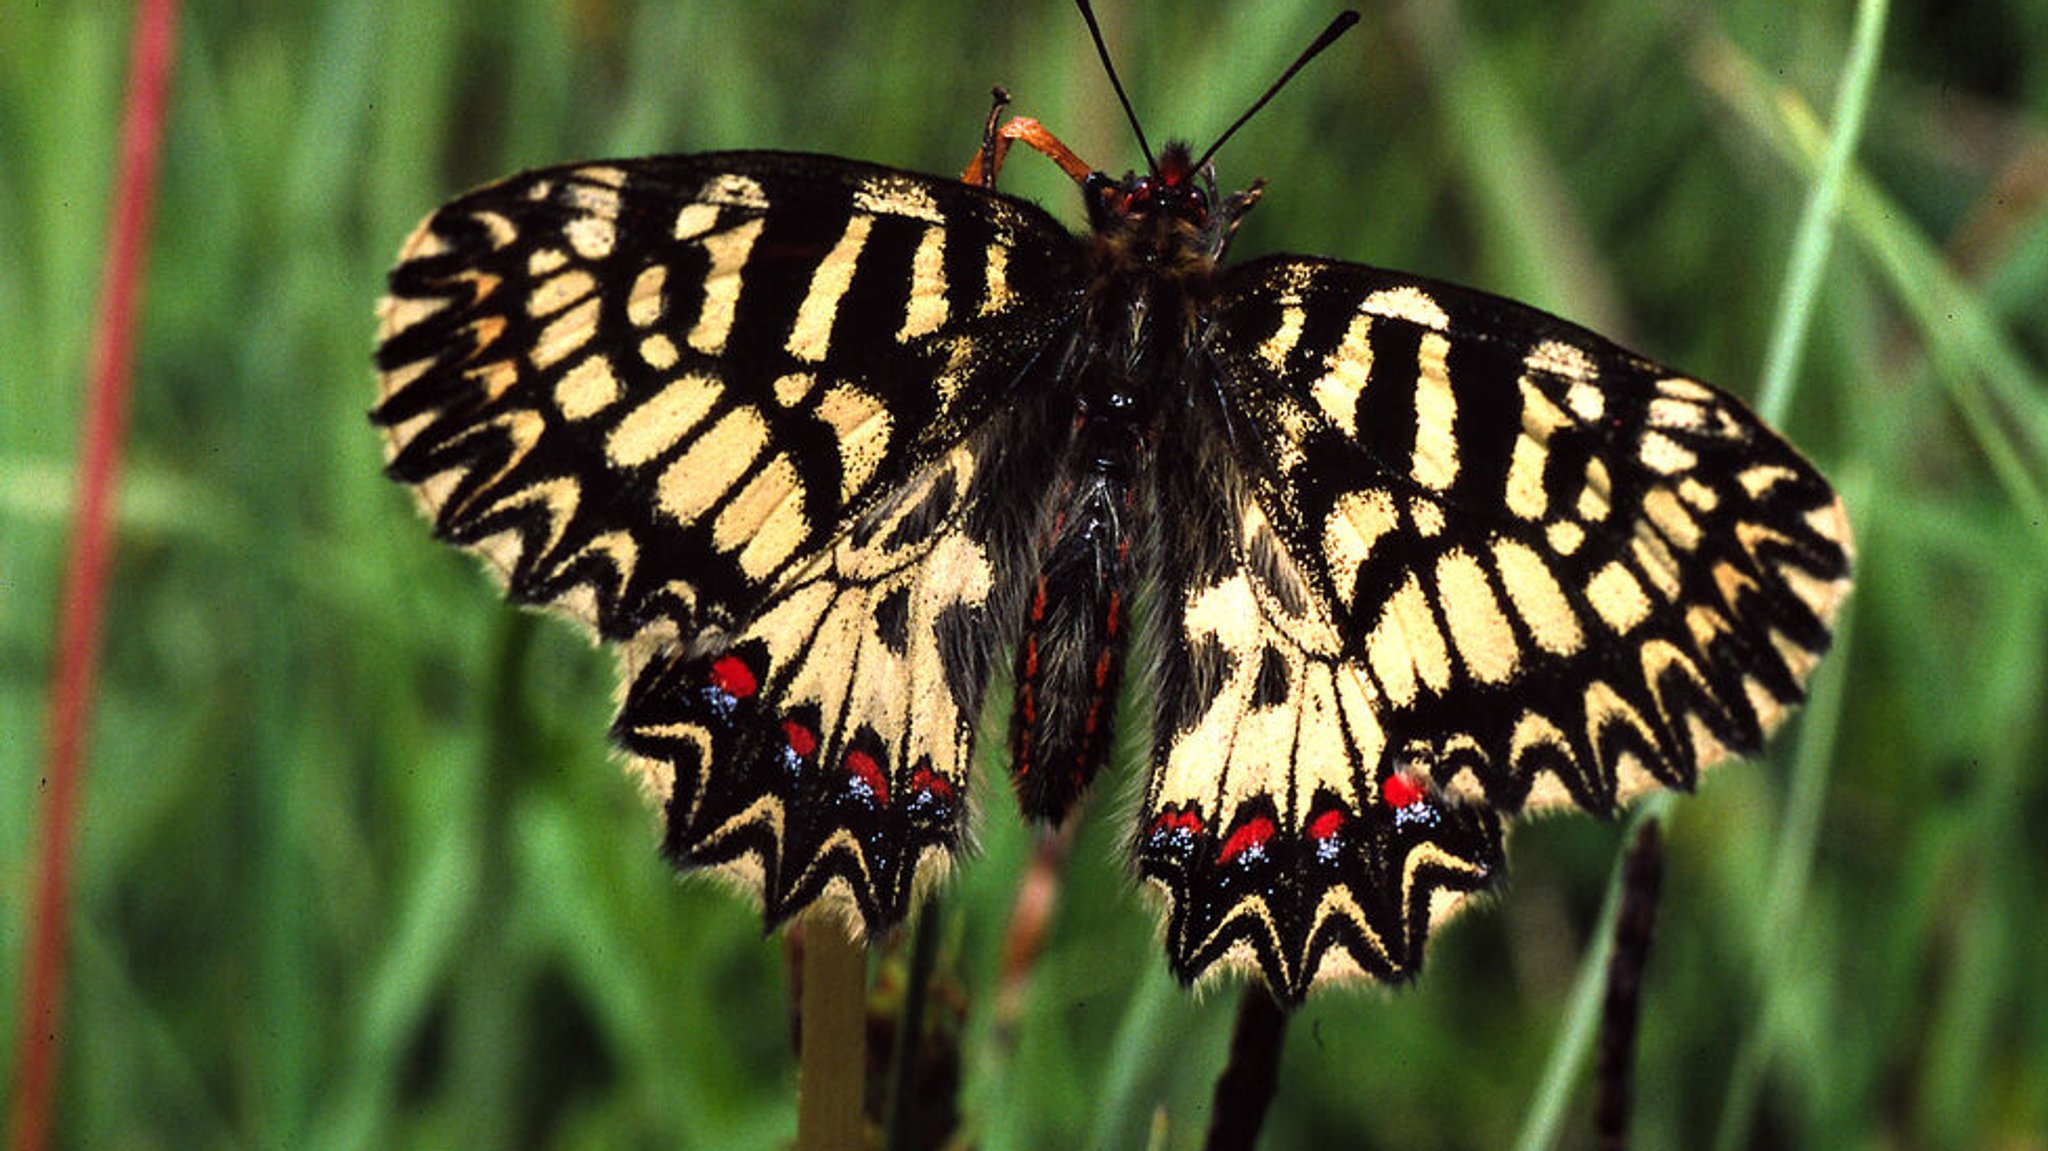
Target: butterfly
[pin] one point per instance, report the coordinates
(840, 457)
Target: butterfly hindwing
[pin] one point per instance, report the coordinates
(1270, 819)
(821, 756)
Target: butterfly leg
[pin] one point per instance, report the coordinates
(996, 141)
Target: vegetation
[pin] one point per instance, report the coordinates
(356, 867)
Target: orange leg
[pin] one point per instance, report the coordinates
(995, 144)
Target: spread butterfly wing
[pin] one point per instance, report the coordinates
(645, 392)
(1573, 575)
(717, 408)
(1537, 570)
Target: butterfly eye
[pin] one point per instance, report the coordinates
(1157, 196)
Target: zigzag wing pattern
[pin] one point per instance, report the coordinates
(716, 408)
(1282, 840)
(1486, 561)
(822, 755)
(647, 393)
(1572, 575)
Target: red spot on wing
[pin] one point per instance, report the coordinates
(1250, 835)
(731, 675)
(1326, 825)
(863, 767)
(925, 779)
(1400, 790)
(802, 740)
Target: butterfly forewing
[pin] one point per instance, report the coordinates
(1571, 574)
(648, 391)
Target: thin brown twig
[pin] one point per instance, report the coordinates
(832, 1044)
(1642, 879)
(1245, 1089)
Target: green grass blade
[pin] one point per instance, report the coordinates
(1975, 361)
(1574, 1044)
(1791, 876)
(1815, 237)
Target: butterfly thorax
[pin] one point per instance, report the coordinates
(1155, 252)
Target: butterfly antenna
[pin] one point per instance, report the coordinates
(1338, 27)
(1102, 49)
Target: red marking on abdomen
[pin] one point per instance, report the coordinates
(1097, 700)
(1103, 660)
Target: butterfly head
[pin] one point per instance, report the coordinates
(1166, 216)
(1171, 211)
(1176, 190)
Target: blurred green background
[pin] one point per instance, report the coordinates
(356, 868)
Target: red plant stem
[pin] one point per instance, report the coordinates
(77, 654)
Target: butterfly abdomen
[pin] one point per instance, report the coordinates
(1149, 285)
(1069, 661)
